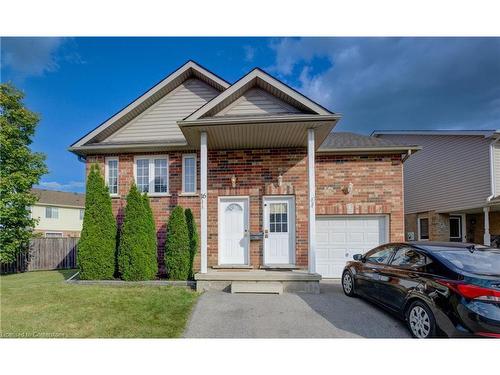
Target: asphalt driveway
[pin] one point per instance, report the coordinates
(326, 315)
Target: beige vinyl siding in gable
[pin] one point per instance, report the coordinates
(159, 122)
(496, 167)
(257, 102)
(449, 173)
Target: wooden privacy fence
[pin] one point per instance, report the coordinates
(45, 254)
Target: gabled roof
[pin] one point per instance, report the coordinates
(258, 78)
(169, 83)
(350, 142)
(59, 198)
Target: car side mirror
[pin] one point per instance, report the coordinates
(358, 257)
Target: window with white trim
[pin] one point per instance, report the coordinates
(112, 175)
(151, 174)
(51, 213)
(189, 173)
(82, 213)
(423, 228)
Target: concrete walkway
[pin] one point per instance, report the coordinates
(329, 314)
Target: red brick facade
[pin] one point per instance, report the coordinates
(377, 189)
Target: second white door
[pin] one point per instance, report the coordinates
(233, 231)
(279, 230)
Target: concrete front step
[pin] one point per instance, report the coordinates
(292, 281)
(267, 287)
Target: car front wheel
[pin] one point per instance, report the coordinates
(348, 284)
(420, 320)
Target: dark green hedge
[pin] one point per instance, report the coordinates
(193, 239)
(177, 254)
(137, 250)
(97, 245)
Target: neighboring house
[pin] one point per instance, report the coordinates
(269, 184)
(452, 186)
(60, 213)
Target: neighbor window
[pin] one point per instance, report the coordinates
(51, 213)
(189, 173)
(423, 228)
(82, 212)
(151, 174)
(53, 234)
(112, 175)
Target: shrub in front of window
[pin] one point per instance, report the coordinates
(97, 245)
(193, 239)
(136, 260)
(177, 254)
(151, 249)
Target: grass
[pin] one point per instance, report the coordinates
(41, 304)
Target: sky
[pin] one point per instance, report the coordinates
(375, 83)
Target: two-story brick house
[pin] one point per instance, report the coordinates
(270, 185)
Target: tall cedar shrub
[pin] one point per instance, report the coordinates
(193, 239)
(177, 246)
(136, 260)
(97, 245)
(152, 248)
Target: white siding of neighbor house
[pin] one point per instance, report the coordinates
(257, 102)
(451, 172)
(496, 167)
(159, 122)
(68, 220)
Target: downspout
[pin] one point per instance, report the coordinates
(492, 171)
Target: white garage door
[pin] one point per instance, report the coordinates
(339, 238)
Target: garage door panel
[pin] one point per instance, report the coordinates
(341, 235)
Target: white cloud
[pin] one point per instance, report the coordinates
(37, 56)
(70, 186)
(249, 53)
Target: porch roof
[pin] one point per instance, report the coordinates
(259, 131)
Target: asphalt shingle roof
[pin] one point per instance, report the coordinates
(62, 198)
(346, 140)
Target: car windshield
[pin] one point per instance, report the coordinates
(484, 262)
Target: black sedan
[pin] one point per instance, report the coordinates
(439, 289)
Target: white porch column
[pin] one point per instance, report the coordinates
(487, 237)
(312, 199)
(203, 200)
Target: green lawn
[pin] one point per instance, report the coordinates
(41, 304)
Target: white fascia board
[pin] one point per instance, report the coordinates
(257, 73)
(148, 94)
(257, 119)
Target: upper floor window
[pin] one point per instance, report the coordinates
(189, 173)
(82, 213)
(112, 175)
(51, 213)
(423, 228)
(151, 174)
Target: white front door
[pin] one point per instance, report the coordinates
(339, 238)
(279, 230)
(233, 231)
